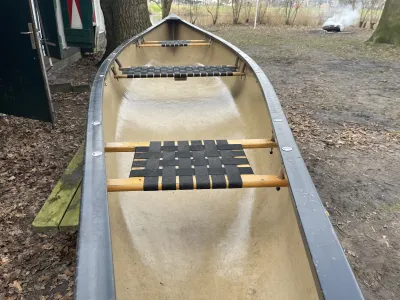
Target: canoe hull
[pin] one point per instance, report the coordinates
(232, 244)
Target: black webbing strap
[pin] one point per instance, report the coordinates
(212, 164)
(232, 171)
(152, 164)
(185, 166)
(168, 170)
(175, 43)
(178, 71)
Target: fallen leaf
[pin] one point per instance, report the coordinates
(17, 286)
(63, 276)
(5, 260)
(47, 247)
(43, 278)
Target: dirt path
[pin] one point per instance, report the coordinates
(342, 99)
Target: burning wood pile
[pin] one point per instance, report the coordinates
(331, 28)
(343, 16)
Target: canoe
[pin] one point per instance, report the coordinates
(194, 187)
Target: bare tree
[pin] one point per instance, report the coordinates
(262, 10)
(236, 8)
(376, 10)
(165, 7)
(247, 10)
(123, 19)
(365, 12)
(291, 7)
(193, 11)
(351, 2)
(214, 15)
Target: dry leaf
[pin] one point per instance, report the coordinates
(43, 278)
(63, 276)
(47, 247)
(5, 260)
(17, 286)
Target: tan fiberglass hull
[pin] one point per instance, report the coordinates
(202, 244)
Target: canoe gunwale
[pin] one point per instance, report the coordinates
(95, 279)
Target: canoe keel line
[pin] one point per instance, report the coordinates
(304, 260)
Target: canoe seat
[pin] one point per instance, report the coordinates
(174, 43)
(178, 71)
(185, 165)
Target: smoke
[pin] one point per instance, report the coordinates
(344, 16)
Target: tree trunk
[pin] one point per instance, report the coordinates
(166, 7)
(388, 30)
(123, 19)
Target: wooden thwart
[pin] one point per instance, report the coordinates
(131, 146)
(249, 181)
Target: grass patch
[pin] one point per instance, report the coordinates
(300, 41)
(154, 8)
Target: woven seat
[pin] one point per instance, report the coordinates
(174, 43)
(187, 165)
(179, 71)
(194, 162)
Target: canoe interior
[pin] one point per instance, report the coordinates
(201, 244)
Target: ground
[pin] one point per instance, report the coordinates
(342, 100)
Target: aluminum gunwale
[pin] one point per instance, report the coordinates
(95, 279)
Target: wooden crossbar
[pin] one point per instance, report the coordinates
(161, 45)
(189, 41)
(131, 146)
(249, 181)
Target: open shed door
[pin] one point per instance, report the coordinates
(24, 89)
(78, 22)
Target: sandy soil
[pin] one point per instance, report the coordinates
(341, 97)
